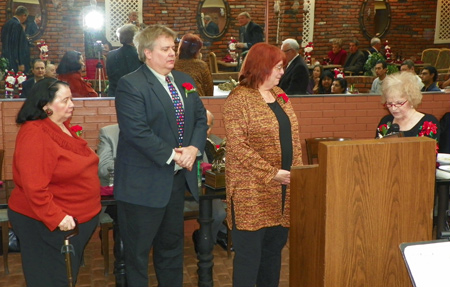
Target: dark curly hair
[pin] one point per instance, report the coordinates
(42, 93)
(70, 62)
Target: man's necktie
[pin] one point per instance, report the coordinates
(179, 110)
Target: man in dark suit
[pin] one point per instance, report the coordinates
(250, 33)
(163, 127)
(38, 71)
(355, 59)
(15, 45)
(296, 75)
(210, 26)
(124, 60)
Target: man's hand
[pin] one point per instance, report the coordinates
(185, 156)
(67, 223)
(240, 45)
(21, 68)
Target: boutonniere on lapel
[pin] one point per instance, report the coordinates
(284, 97)
(188, 88)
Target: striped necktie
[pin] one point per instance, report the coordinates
(179, 110)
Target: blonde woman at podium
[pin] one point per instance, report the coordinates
(262, 145)
(401, 95)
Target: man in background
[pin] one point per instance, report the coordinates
(381, 72)
(250, 33)
(408, 66)
(296, 75)
(38, 71)
(133, 18)
(429, 76)
(355, 59)
(210, 26)
(124, 60)
(15, 46)
(375, 45)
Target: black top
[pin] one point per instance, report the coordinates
(285, 135)
(417, 130)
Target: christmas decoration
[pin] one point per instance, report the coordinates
(10, 83)
(20, 78)
(308, 51)
(43, 47)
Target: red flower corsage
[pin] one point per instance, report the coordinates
(188, 88)
(284, 97)
(77, 129)
(428, 129)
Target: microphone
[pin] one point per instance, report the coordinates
(394, 131)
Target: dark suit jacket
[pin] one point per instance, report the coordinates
(15, 46)
(355, 62)
(148, 134)
(254, 34)
(212, 28)
(296, 78)
(120, 62)
(26, 87)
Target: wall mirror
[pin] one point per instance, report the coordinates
(213, 18)
(375, 18)
(37, 18)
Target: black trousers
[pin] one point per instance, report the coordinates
(42, 262)
(142, 227)
(257, 259)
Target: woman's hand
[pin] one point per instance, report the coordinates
(283, 177)
(67, 223)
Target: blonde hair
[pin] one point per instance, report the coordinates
(145, 40)
(403, 84)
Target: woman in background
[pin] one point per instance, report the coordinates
(337, 55)
(69, 70)
(189, 61)
(313, 86)
(262, 144)
(339, 86)
(326, 79)
(401, 95)
(55, 177)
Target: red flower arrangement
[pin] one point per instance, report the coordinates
(428, 129)
(188, 88)
(77, 129)
(284, 97)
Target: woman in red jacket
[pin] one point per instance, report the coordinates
(55, 176)
(69, 70)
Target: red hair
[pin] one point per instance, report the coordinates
(258, 64)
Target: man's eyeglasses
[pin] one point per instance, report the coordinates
(397, 105)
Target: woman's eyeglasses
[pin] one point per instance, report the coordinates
(397, 105)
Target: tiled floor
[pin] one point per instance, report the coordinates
(92, 273)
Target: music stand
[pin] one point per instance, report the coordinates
(99, 72)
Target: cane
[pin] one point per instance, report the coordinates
(67, 248)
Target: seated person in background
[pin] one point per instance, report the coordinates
(400, 94)
(69, 71)
(339, 86)
(381, 72)
(124, 60)
(408, 66)
(188, 61)
(325, 82)
(355, 59)
(211, 26)
(38, 71)
(296, 74)
(250, 33)
(337, 55)
(50, 71)
(429, 77)
(375, 45)
(313, 86)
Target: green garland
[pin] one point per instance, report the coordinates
(4, 63)
(372, 61)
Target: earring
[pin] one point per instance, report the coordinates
(49, 112)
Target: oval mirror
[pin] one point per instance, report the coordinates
(213, 18)
(375, 18)
(37, 18)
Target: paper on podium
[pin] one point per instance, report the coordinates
(427, 262)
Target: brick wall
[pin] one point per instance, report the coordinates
(353, 116)
(411, 30)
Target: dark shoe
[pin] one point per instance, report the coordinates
(222, 240)
(195, 240)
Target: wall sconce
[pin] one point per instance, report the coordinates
(276, 7)
(295, 6)
(56, 4)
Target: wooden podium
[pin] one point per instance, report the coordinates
(350, 213)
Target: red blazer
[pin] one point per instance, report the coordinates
(79, 87)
